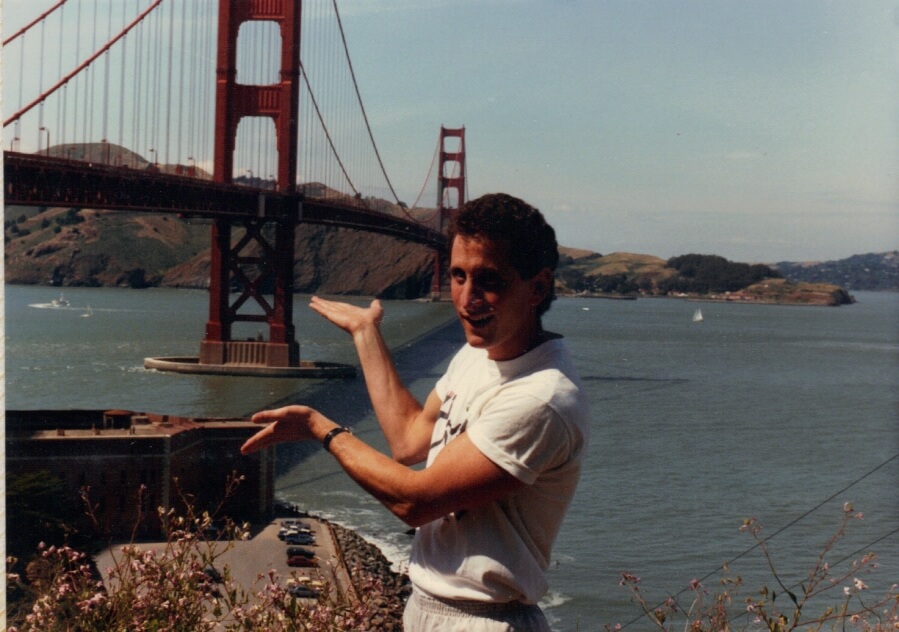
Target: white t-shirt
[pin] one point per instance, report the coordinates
(529, 416)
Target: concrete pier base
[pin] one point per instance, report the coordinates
(306, 369)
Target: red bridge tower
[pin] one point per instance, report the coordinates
(450, 178)
(268, 242)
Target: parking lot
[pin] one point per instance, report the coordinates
(263, 552)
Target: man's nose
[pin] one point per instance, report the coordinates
(473, 297)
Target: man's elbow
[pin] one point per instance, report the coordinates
(408, 457)
(413, 515)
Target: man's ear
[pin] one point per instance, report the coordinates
(542, 284)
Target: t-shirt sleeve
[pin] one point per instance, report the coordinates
(522, 435)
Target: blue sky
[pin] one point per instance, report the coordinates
(759, 130)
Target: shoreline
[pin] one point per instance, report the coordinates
(362, 555)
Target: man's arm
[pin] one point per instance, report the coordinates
(406, 424)
(460, 478)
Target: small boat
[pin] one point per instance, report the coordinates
(60, 302)
(697, 316)
(88, 313)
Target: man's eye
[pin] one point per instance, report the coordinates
(491, 282)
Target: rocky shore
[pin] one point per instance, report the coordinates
(365, 562)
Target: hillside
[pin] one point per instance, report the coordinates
(60, 246)
(873, 271)
(708, 277)
(105, 248)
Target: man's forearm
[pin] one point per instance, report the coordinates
(398, 412)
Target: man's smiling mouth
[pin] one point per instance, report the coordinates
(479, 321)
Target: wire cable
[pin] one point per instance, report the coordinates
(784, 528)
(361, 106)
(325, 129)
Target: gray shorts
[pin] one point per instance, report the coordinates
(427, 614)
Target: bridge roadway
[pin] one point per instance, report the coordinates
(33, 180)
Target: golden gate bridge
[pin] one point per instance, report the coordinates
(245, 112)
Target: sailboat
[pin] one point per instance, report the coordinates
(697, 316)
(88, 313)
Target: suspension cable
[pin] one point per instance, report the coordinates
(28, 26)
(81, 66)
(784, 528)
(359, 98)
(325, 128)
(428, 175)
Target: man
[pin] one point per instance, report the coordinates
(502, 433)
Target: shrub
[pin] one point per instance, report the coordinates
(171, 589)
(800, 606)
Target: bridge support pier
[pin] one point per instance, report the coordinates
(258, 263)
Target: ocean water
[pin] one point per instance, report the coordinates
(773, 412)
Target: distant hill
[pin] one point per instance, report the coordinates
(873, 271)
(708, 277)
(72, 247)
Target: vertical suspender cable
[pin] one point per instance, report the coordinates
(137, 125)
(121, 139)
(40, 117)
(18, 127)
(181, 84)
(90, 93)
(60, 118)
(106, 89)
(169, 107)
(157, 85)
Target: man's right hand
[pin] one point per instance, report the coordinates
(350, 318)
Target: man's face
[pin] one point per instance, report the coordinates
(496, 306)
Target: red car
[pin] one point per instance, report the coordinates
(299, 560)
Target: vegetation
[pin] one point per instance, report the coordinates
(39, 500)
(872, 271)
(705, 274)
(173, 589)
(846, 606)
(623, 274)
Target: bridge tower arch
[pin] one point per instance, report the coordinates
(268, 242)
(450, 190)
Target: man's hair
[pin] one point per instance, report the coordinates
(529, 241)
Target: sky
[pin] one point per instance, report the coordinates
(758, 130)
(762, 130)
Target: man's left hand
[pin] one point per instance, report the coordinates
(291, 423)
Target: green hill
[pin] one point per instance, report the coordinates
(71, 247)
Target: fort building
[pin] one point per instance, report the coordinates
(130, 463)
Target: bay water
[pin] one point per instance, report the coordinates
(780, 413)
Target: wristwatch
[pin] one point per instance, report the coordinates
(326, 442)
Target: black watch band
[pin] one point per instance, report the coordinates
(326, 442)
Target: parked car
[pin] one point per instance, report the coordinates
(294, 523)
(302, 592)
(213, 574)
(283, 532)
(299, 538)
(299, 560)
(298, 550)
